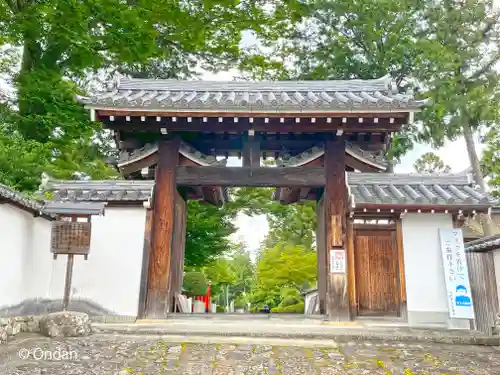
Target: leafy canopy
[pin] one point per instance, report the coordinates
(491, 160)
(443, 50)
(194, 284)
(293, 224)
(430, 163)
(207, 231)
(282, 273)
(53, 50)
(234, 269)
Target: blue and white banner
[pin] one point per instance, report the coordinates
(456, 274)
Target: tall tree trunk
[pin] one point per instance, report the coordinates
(486, 222)
(390, 166)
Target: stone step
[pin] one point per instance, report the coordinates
(337, 333)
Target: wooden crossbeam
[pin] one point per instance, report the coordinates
(254, 177)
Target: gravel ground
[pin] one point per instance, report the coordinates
(127, 354)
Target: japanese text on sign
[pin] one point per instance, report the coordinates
(337, 261)
(456, 274)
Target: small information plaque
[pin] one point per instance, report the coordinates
(337, 261)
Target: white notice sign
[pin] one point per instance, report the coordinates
(456, 274)
(337, 261)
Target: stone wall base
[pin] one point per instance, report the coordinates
(435, 319)
(43, 306)
(11, 326)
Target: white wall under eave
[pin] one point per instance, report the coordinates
(425, 280)
(111, 275)
(15, 241)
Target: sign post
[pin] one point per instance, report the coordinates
(71, 236)
(456, 274)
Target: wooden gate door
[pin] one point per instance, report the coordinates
(376, 265)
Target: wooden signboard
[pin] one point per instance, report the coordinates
(338, 261)
(70, 237)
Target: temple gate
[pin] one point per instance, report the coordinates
(180, 134)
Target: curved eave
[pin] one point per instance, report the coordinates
(150, 151)
(316, 152)
(359, 156)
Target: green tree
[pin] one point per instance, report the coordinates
(207, 231)
(430, 163)
(282, 273)
(221, 275)
(168, 36)
(293, 224)
(194, 284)
(22, 162)
(457, 69)
(231, 273)
(491, 160)
(243, 269)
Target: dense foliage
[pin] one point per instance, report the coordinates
(207, 231)
(51, 51)
(231, 276)
(194, 284)
(283, 272)
(293, 223)
(491, 159)
(430, 163)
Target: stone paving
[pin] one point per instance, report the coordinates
(138, 354)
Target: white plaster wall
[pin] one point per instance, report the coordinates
(38, 265)
(15, 241)
(425, 281)
(111, 275)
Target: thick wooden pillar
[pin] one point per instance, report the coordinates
(143, 289)
(335, 197)
(322, 254)
(178, 247)
(157, 300)
(351, 268)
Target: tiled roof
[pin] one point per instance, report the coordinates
(99, 191)
(75, 208)
(102, 190)
(484, 244)
(389, 188)
(31, 205)
(302, 96)
(365, 188)
(186, 150)
(313, 153)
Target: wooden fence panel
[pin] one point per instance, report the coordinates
(483, 289)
